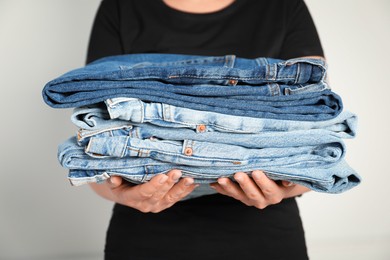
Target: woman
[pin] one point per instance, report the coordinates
(252, 218)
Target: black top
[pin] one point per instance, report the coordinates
(213, 226)
(247, 28)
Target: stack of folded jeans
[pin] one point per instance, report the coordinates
(140, 115)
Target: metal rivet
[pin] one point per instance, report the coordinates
(201, 128)
(232, 81)
(188, 151)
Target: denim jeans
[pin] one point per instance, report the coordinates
(194, 70)
(335, 178)
(307, 148)
(191, 84)
(344, 126)
(134, 111)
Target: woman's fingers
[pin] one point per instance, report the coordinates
(258, 191)
(161, 192)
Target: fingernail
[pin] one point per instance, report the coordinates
(113, 182)
(238, 178)
(176, 176)
(255, 175)
(188, 182)
(163, 179)
(222, 182)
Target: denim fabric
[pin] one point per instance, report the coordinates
(207, 154)
(312, 106)
(337, 178)
(190, 86)
(133, 110)
(190, 69)
(305, 148)
(269, 139)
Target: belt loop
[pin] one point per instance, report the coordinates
(229, 61)
(298, 73)
(166, 112)
(274, 89)
(271, 71)
(261, 61)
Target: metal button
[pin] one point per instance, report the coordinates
(188, 151)
(201, 128)
(233, 81)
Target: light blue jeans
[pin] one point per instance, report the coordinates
(334, 178)
(308, 148)
(135, 111)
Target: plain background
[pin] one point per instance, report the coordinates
(43, 217)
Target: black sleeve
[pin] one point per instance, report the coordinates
(301, 36)
(105, 37)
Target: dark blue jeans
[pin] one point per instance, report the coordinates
(292, 90)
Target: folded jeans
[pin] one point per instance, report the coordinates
(337, 178)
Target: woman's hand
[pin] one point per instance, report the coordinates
(160, 193)
(258, 191)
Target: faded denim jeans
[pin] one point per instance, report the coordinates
(83, 169)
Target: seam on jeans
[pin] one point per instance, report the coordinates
(298, 73)
(211, 60)
(147, 172)
(298, 177)
(141, 152)
(218, 77)
(124, 147)
(142, 110)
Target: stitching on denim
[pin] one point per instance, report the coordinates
(212, 60)
(141, 152)
(167, 113)
(227, 77)
(146, 174)
(124, 147)
(297, 75)
(142, 110)
(301, 177)
(197, 158)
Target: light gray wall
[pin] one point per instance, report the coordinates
(43, 217)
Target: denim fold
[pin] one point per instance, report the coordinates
(279, 90)
(126, 111)
(83, 169)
